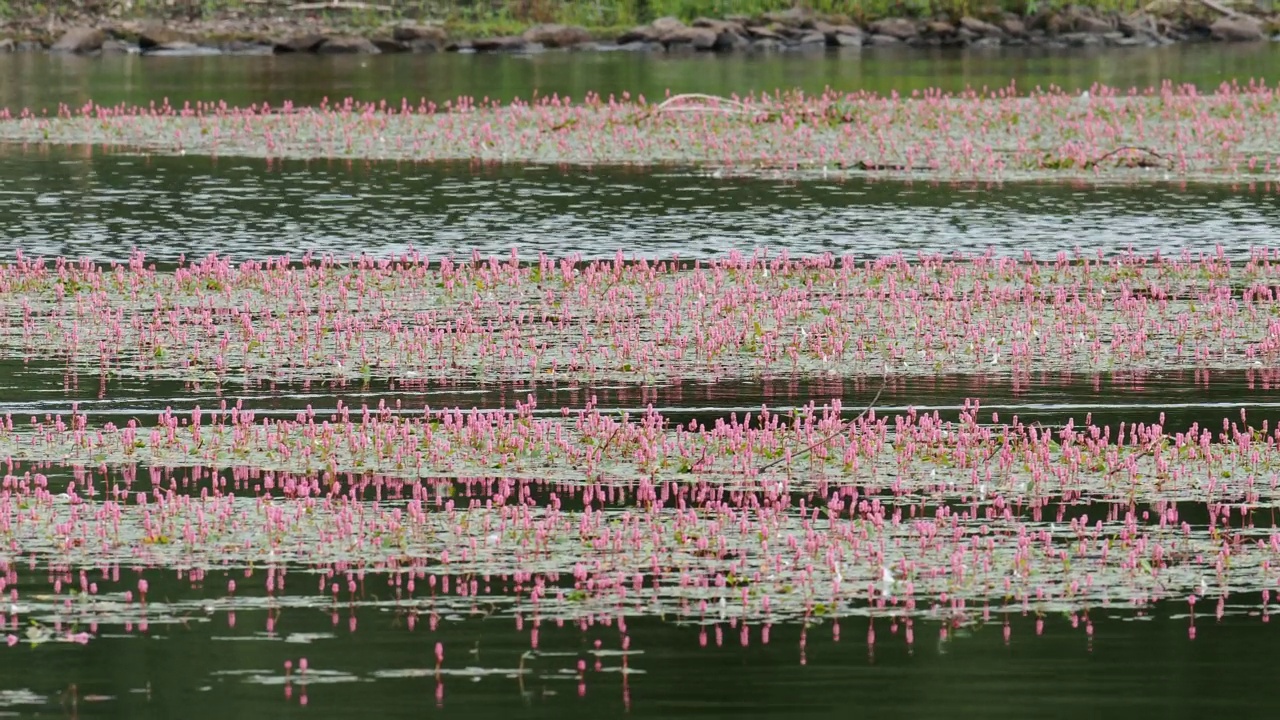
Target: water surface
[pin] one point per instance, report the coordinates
(45, 81)
(196, 649)
(82, 202)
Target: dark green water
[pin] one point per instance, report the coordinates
(205, 653)
(1141, 669)
(43, 81)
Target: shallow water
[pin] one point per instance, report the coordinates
(195, 648)
(80, 202)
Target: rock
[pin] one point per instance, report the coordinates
(794, 17)
(300, 43)
(697, 38)
(766, 45)
(843, 39)
(720, 25)
(812, 38)
(899, 28)
(347, 45)
(421, 38)
(1013, 25)
(7, 45)
(761, 32)
(509, 43)
(939, 28)
(79, 41)
(638, 34)
(878, 40)
(664, 25)
(729, 35)
(731, 40)
(180, 48)
(980, 27)
(1239, 28)
(389, 45)
(151, 37)
(242, 47)
(852, 35)
(1138, 23)
(1082, 39)
(557, 36)
(117, 47)
(641, 46)
(1085, 22)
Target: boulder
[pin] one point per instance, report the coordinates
(389, 44)
(7, 45)
(347, 45)
(762, 32)
(152, 37)
(813, 37)
(247, 47)
(1083, 21)
(299, 43)
(731, 40)
(898, 28)
(720, 26)
(980, 27)
(879, 40)
(1013, 26)
(80, 40)
(846, 39)
(638, 34)
(180, 48)
(1238, 28)
(697, 38)
(939, 28)
(792, 17)
(766, 45)
(1138, 23)
(557, 36)
(508, 43)
(421, 38)
(664, 25)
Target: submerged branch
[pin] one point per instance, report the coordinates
(884, 381)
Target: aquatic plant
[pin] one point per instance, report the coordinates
(413, 319)
(989, 134)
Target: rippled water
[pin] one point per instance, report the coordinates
(87, 203)
(196, 648)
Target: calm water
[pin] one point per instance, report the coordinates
(38, 80)
(196, 650)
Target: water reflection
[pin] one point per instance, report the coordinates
(1180, 397)
(39, 80)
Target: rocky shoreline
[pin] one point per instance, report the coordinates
(794, 30)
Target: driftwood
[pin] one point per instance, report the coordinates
(338, 5)
(1219, 7)
(1094, 162)
(1158, 6)
(833, 435)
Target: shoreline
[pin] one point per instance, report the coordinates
(794, 30)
